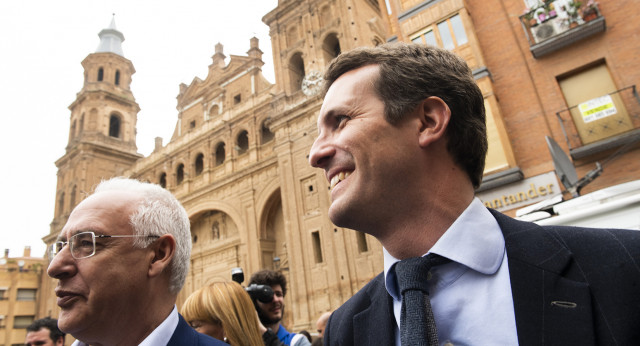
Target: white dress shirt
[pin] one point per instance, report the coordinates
(160, 336)
(471, 296)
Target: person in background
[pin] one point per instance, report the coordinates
(120, 260)
(224, 311)
(44, 332)
(306, 334)
(402, 141)
(271, 314)
(321, 324)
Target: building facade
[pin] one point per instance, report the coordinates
(238, 158)
(20, 293)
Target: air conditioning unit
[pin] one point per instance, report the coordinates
(544, 31)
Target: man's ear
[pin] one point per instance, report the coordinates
(164, 248)
(434, 116)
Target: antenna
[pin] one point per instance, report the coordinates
(567, 172)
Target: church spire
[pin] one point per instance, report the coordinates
(111, 39)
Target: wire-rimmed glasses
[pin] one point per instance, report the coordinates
(83, 245)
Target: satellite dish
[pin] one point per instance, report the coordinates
(567, 172)
(564, 167)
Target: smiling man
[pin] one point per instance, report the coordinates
(270, 314)
(120, 261)
(402, 141)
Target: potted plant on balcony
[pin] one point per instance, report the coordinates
(527, 17)
(573, 14)
(590, 10)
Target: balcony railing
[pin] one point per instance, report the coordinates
(602, 123)
(556, 24)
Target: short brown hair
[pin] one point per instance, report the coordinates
(410, 73)
(270, 278)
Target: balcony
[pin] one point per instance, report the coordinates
(602, 123)
(556, 24)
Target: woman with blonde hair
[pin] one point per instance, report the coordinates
(225, 311)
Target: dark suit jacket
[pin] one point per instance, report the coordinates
(184, 335)
(570, 286)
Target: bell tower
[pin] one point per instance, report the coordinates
(102, 132)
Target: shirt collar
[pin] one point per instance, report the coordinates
(473, 240)
(160, 336)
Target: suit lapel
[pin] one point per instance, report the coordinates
(552, 302)
(378, 319)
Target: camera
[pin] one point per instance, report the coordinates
(261, 293)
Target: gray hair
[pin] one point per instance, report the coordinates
(158, 213)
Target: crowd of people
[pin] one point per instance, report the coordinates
(402, 139)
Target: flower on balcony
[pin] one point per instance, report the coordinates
(590, 10)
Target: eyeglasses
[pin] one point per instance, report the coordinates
(83, 245)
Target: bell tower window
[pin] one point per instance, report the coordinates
(100, 74)
(117, 79)
(114, 126)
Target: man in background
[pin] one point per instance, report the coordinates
(44, 332)
(271, 314)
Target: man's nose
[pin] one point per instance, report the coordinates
(62, 265)
(321, 152)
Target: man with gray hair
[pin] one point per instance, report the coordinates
(120, 261)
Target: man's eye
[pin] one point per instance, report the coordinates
(341, 119)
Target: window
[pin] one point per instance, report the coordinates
(375, 5)
(296, 71)
(163, 180)
(192, 124)
(72, 132)
(61, 204)
(447, 34)
(237, 99)
(26, 294)
(265, 133)
(3, 293)
(114, 126)
(317, 246)
(362, 242)
(22, 321)
(597, 112)
(117, 79)
(199, 164)
(242, 143)
(331, 47)
(180, 174)
(100, 74)
(428, 37)
(220, 154)
(72, 202)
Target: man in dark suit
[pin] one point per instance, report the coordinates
(120, 260)
(402, 140)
